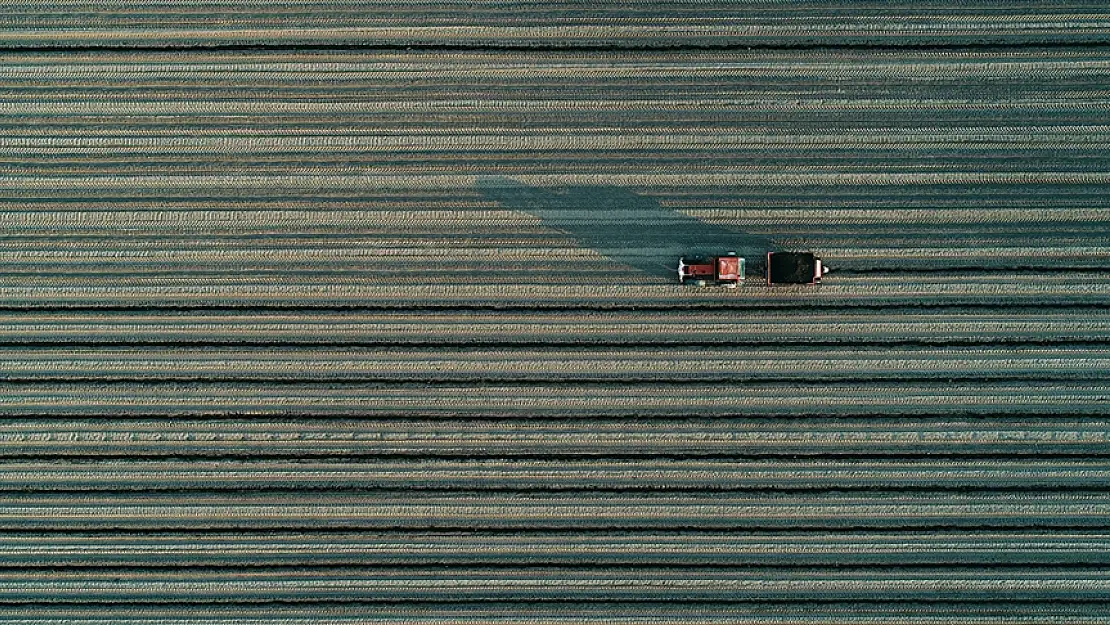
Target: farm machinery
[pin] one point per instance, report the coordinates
(728, 270)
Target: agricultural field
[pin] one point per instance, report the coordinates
(336, 312)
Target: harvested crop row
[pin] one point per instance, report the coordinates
(534, 364)
(539, 583)
(530, 436)
(504, 400)
(585, 475)
(477, 327)
(576, 613)
(596, 549)
(463, 510)
(205, 291)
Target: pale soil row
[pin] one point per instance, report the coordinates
(464, 215)
(618, 613)
(452, 207)
(99, 28)
(463, 68)
(280, 284)
(517, 511)
(342, 60)
(229, 399)
(554, 327)
(414, 548)
(540, 583)
(365, 437)
(156, 74)
(536, 364)
(542, 247)
(289, 134)
(418, 178)
(568, 160)
(551, 475)
(145, 291)
(1082, 28)
(1017, 219)
(59, 109)
(493, 131)
(1076, 137)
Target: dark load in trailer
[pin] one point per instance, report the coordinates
(794, 268)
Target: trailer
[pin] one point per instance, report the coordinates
(726, 270)
(794, 268)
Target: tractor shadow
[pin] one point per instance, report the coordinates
(628, 228)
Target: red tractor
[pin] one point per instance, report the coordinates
(726, 271)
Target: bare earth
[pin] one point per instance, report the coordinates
(346, 312)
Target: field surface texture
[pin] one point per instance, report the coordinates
(335, 312)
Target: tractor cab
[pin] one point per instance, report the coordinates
(726, 271)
